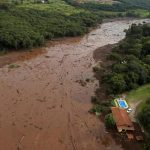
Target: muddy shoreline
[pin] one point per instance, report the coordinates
(101, 53)
(100, 56)
(13, 56)
(43, 106)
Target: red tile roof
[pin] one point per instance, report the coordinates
(121, 117)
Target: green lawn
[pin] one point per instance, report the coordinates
(141, 13)
(26, 25)
(140, 94)
(138, 97)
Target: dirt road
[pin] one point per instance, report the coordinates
(44, 97)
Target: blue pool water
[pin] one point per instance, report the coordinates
(122, 104)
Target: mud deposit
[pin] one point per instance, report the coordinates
(44, 98)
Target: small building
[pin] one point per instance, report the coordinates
(123, 122)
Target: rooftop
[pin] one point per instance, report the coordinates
(121, 117)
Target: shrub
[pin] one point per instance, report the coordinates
(109, 121)
(94, 100)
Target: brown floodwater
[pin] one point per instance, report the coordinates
(44, 96)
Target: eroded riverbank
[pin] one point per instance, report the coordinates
(43, 104)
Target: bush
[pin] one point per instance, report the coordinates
(115, 83)
(109, 121)
(147, 59)
(94, 100)
(144, 119)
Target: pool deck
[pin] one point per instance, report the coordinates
(118, 104)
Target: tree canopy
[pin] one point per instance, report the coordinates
(131, 61)
(28, 25)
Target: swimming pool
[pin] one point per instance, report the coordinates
(122, 103)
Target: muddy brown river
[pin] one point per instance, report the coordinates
(44, 99)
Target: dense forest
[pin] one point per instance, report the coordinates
(28, 25)
(131, 67)
(119, 8)
(137, 3)
(118, 5)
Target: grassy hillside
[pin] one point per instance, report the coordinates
(129, 8)
(145, 4)
(27, 23)
(140, 94)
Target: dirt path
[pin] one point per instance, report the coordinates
(43, 106)
(134, 106)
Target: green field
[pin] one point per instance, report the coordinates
(53, 6)
(140, 94)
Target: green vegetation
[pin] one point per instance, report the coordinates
(109, 121)
(138, 13)
(96, 109)
(144, 119)
(116, 6)
(140, 94)
(131, 67)
(27, 25)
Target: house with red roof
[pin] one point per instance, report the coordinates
(122, 119)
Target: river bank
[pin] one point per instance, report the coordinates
(119, 62)
(43, 104)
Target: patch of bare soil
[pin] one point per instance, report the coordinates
(14, 56)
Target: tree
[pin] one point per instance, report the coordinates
(147, 59)
(109, 121)
(115, 57)
(144, 119)
(116, 83)
(146, 48)
(146, 30)
(120, 68)
(135, 31)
